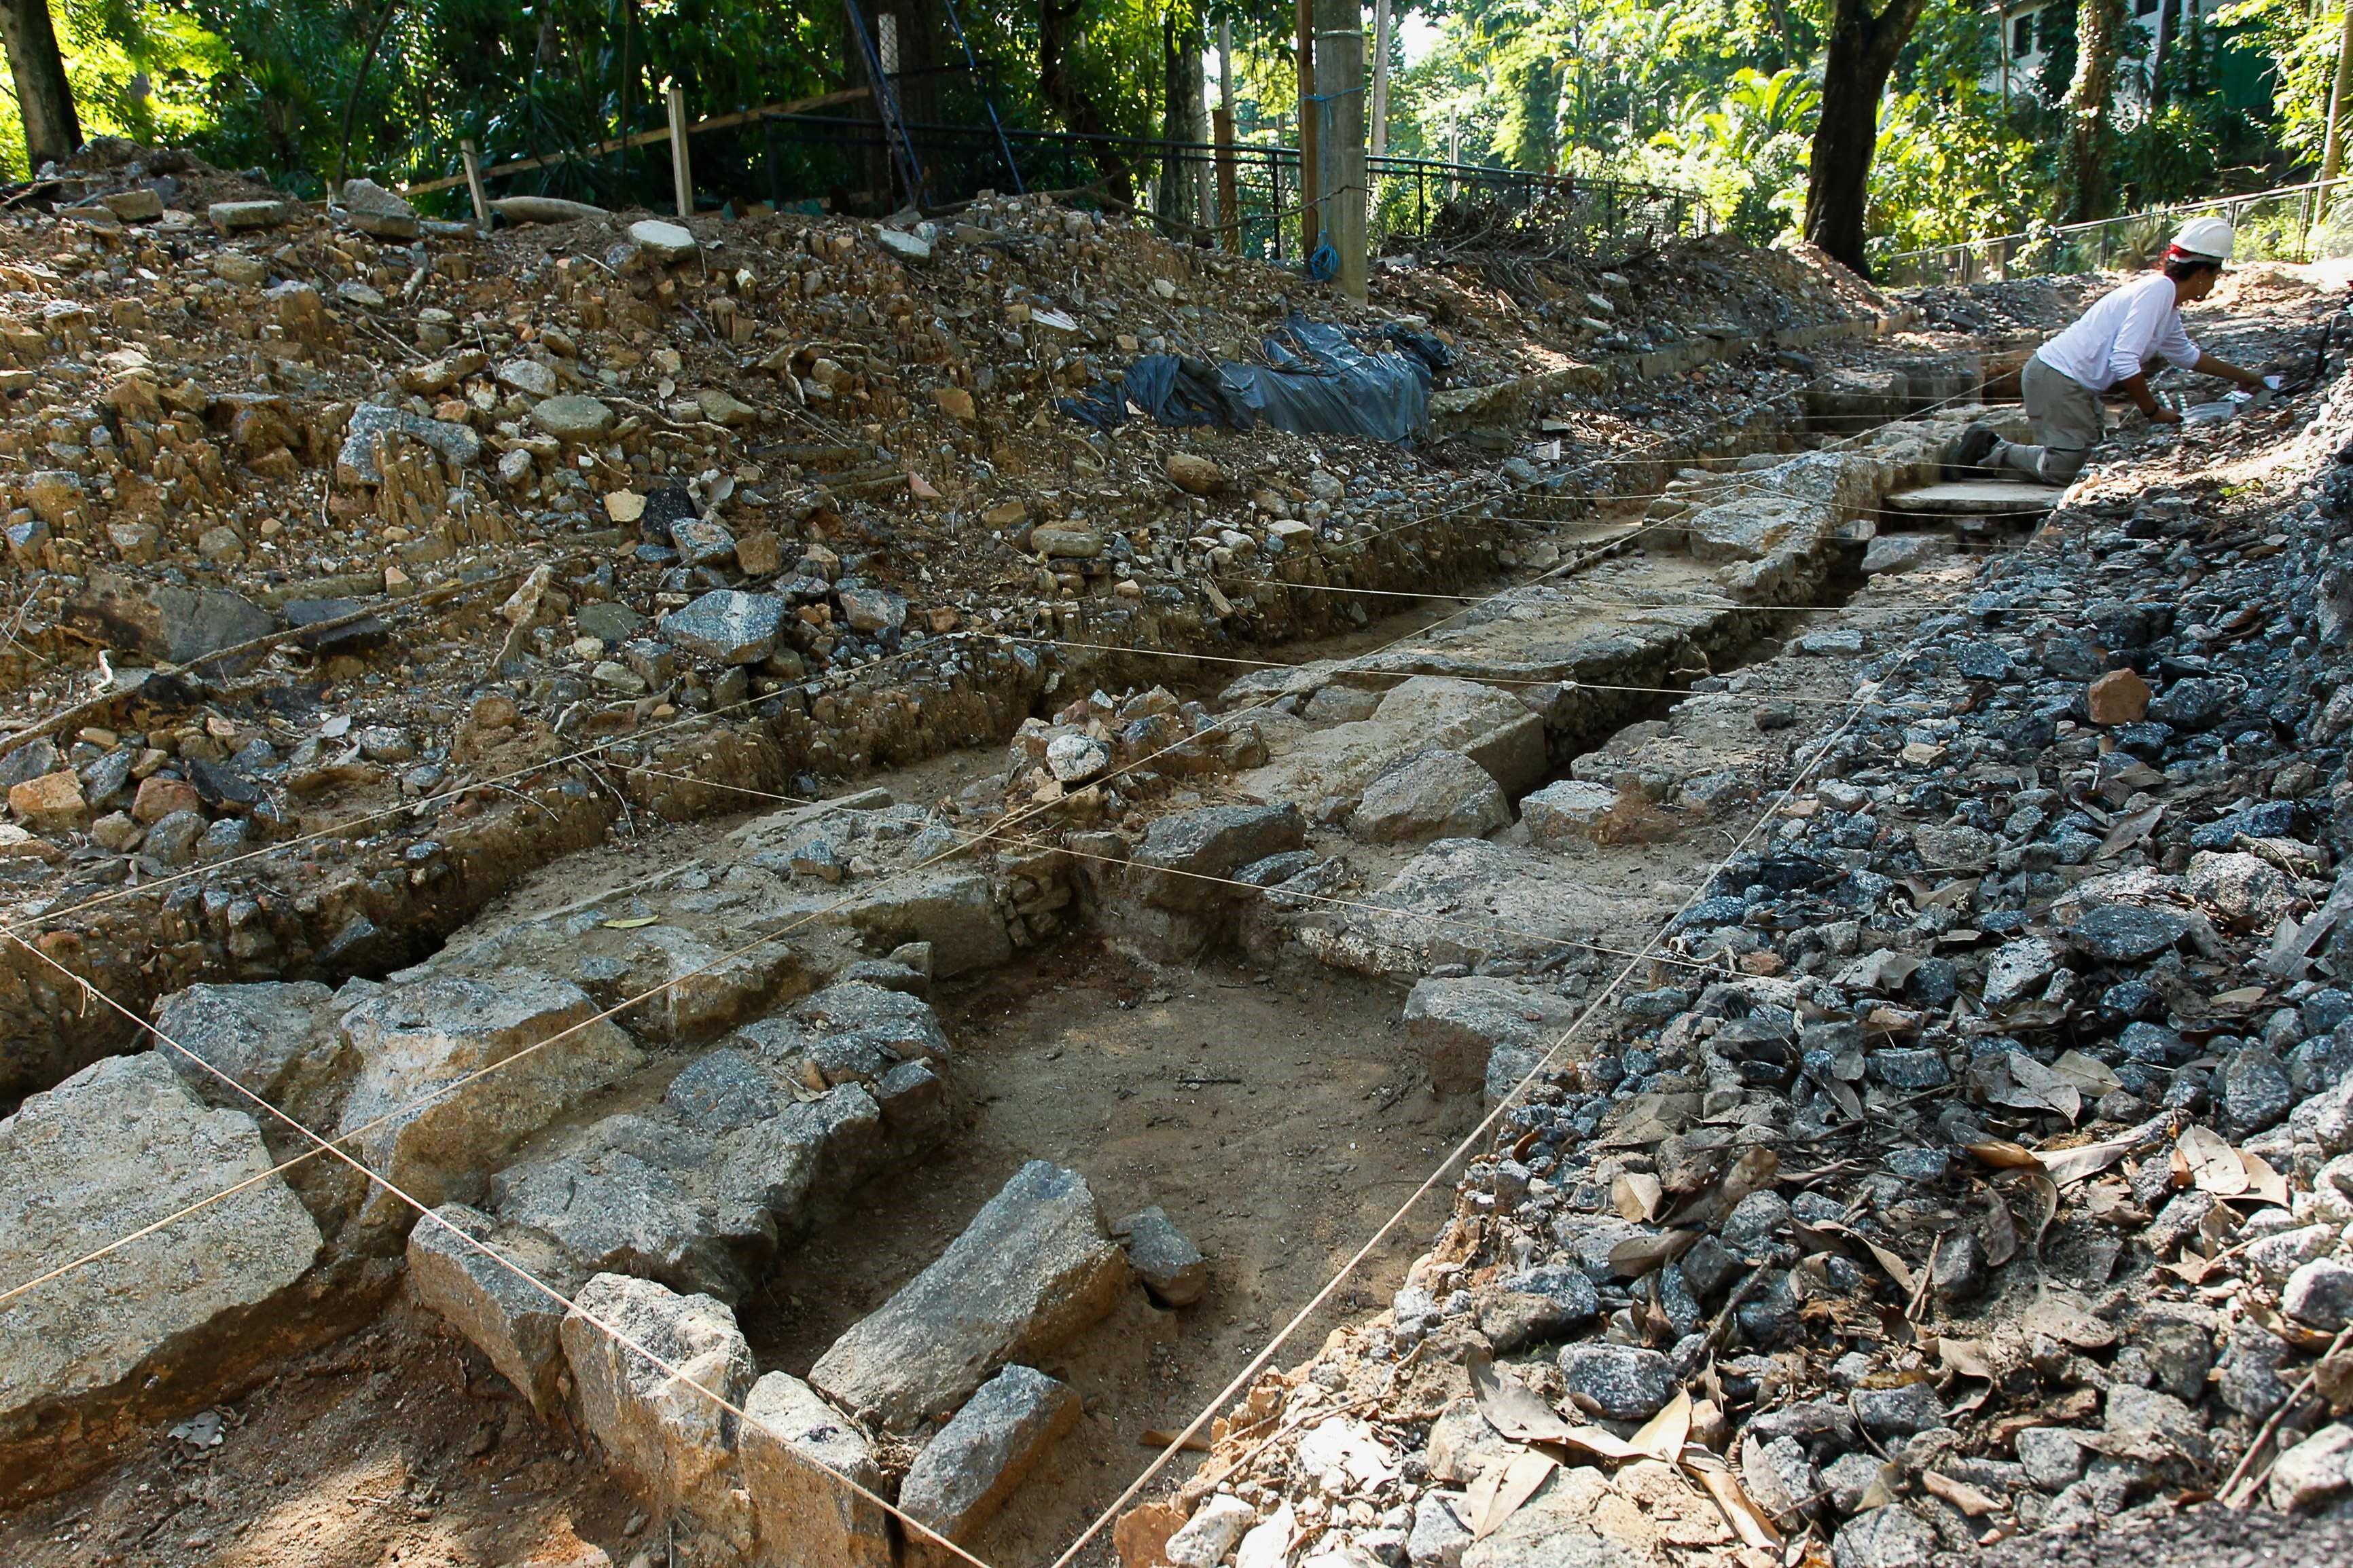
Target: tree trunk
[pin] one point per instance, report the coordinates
(1184, 117)
(1058, 28)
(2159, 88)
(52, 130)
(2099, 25)
(1863, 50)
(2332, 146)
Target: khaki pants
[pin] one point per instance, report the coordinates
(2067, 424)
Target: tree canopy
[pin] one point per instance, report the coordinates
(1990, 119)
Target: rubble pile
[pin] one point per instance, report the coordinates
(1972, 1158)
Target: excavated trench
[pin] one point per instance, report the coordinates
(1237, 1015)
(389, 890)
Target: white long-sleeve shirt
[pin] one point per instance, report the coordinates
(2117, 338)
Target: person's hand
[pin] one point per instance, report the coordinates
(2161, 414)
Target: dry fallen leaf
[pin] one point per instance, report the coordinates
(1637, 1256)
(1664, 1436)
(1882, 1491)
(1966, 1357)
(1499, 1491)
(1748, 1521)
(2033, 1087)
(2263, 1184)
(1516, 1412)
(2069, 1324)
(1960, 1494)
(2088, 1074)
(2004, 1156)
(2066, 1166)
(1635, 1195)
(632, 923)
(1999, 1232)
(2214, 1166)
(2040, 1204)
(2128, 831)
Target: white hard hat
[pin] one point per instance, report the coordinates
(2208, 236)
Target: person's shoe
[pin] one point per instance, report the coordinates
(1978, 442)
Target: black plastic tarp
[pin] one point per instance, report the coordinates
(1319, 379)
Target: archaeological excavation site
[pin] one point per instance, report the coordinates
(1001, 888)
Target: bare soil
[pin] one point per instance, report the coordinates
(398, 1446)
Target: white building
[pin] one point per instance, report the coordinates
(2029, 28)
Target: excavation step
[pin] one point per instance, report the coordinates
(1033, 1268)
(119, 1145)
(2005, 499)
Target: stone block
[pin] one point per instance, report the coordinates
(969, 1469)
(797, 1449)
(430, 1037)
(511, 1320)
(120, 1144)
(1435, 794)
(1033, 1268)
(671, 1442)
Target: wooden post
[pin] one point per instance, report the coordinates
(1340, 81)
(1274, 174)
(1221, 123)
(474, 185)
(1380, 78)
(682, 171)
(1311, 114)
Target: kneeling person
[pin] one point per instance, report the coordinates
(2109, 348)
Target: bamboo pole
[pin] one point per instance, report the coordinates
(682, 170)
(474, 185)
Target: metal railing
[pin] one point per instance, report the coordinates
(2288, 223)
(787, 154)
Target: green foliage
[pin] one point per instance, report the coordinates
(1720, 96)
(1743, 146)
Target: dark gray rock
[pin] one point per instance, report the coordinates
(1178, 851)
(165, 622)
(2052, 1457)
(1536, 1304)
(609, 621)
(1910, 1070)
(1032, 1268)
(512, 1322)
(872, 609)
(2256, 1093)
(2131, 1411)
(2194, 704)
(2320, 1294)
(1623, 1382)
(1899, 1412)
(362, 635)
(727, 625)
(722, 1090)
(2247, 1378)
(1890, 1537)
(1434, 794)
(1439, 1537)
(1163, 1258)
(356, 463)
(968, 1471)
(2126, 934)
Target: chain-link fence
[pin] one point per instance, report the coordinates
(2292, 223)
